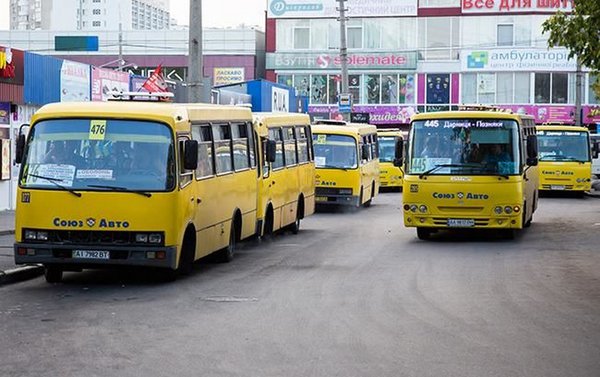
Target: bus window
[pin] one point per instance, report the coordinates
(251, 145)
(240, 146)
(275, 134)
(205, 151)
(302, 144)
(222, 138)
(290, 146)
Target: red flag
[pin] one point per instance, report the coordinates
(156, 82)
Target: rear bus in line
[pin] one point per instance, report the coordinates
(565, 155)
(286, 184)
(347, 163)
(470, 169)
(390, 175)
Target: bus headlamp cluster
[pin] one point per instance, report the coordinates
(148, 238)
(581, 180)
(507, 209)
(414, 208)
(36, 235)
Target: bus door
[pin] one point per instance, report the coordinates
(291, 176)
(273, 177)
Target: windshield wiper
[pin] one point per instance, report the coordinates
(332, 167)
(55, 182)
(439, 166)
(121, 189)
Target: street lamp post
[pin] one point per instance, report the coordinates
(343, 53)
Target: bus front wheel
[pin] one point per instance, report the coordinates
(423, 233)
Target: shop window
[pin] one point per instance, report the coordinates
(354, 87)
(302, 84)
(335, 82)
(319, 89)
(354, 32)
(505, 35)
(373, 89)
(389, 89)
(301, 37)
(551, 88)
(522, 87)
(560, 87)
(592, 99)
(285, 79)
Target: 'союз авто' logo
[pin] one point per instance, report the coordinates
(477, 59)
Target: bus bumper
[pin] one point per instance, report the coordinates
(35, 253)
(463, 222)
(345, 200)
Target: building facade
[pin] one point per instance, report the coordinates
(89, 14)
(408, 56)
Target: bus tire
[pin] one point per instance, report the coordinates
(526, 222)
(53, 274)
(360, 198)
(295, 226)
(226, 255)
(368, 202)
(268, 227)
(423, 233)
(188, 253)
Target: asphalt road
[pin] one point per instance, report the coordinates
(354, 294)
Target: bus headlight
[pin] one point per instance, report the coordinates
(141, 238)
(345, 191)
(413, 208)
(579, 180)
(42, 236)
(155, 238)
(406, 207)
(423, 208)
(30, 234)
(498, 210)
(508, 210)
(36, 235)
(516, 209)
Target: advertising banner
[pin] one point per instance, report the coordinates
(512, 59)
(107, 80)
(74, 82)
(516, 6)
(377, 114)
(226, 76)
(545, 113)
(328, 8)
(591, 114)
(5, 172)
(11, 66)
(4, 113)
(375, 60)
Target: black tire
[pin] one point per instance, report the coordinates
(186, 261)
(295, 226)
(226, 255)
(368, 202)
(526, 223)
(53, 274)
(423, 233)
(360, 198)
(267, 233)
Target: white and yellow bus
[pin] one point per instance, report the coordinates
(389, 174)
(565, 155)
(347, 163)
(470, 169)
(286, 185)
(135, 184)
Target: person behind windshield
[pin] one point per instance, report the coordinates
(496, 154)
(432, 147)
(149, 158)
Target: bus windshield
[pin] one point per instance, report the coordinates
(99, 154)
(464, 146)
(387, 148)
(335, 151)
(563, 146)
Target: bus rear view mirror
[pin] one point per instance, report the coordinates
(532, 147)
(399, 153)
(271, 150)
(190, 155)
(532, 161)
(21, 143)
(365, 152)
(595, 150)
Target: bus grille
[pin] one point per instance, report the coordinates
(443, 221)
(95, 237)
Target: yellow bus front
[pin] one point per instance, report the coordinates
(389, 174)
(565, 158)
(468, 171)
(98, 187)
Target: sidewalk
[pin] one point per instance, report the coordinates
(9, 271)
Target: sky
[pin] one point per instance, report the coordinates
(216, 13)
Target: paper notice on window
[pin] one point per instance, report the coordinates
(95, 174)
(320, 161)
(45, 174)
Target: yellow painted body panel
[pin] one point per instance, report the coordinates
(390, 175)
(282, 188)
(363, 181)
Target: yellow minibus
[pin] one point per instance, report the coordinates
(286, 186)
(565, 155)
(470, 169)
(389, 174)
(347, 163)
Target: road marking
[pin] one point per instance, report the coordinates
(229, 299)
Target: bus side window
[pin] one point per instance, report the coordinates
(240, 146)
(203, 134)
(289, 146)
(222, 137)
(275, 134)
(303, 154)
(265, 166)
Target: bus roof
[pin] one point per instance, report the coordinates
(291, 119)
(561, 127)
(348, 129)
(469, 114)
(170, 113)
(389, 131)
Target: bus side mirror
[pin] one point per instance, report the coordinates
(190, 155)
(532, 147)
(532, 161)
(364, 154)
(271, 150)
(595, 150)
(21, 144)
(399, 153)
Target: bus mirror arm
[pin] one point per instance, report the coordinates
(190, 155)
(531, 161)
(20, 144)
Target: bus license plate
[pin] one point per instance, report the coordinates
(91, 254)
(555, 187)
(461, 223)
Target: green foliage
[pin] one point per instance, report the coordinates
(579, 32)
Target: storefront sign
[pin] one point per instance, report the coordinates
(11, 65)
(4, 113)
(226, 76)
(328, 8)
(514, 6)
(378, 114)
(107, 80)
(74, 82)
(545, 113)
(591, 114)
(384, 60)
(525, 59)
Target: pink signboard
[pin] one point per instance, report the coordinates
(107, 80)
(379, 114)
(545, 113)
(591, 114)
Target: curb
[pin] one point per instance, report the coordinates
(20, 273)
(7, 232)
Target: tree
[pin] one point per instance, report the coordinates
(579, 32)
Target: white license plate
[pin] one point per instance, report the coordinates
(461, 223)
(555, 187)
(91, 254)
